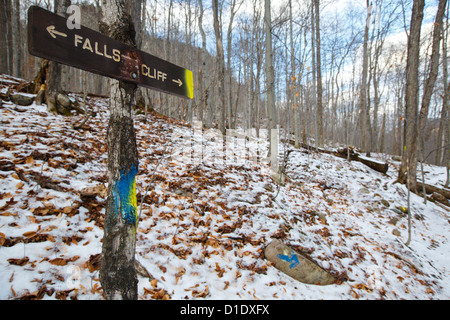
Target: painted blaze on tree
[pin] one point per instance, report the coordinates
(124, 194)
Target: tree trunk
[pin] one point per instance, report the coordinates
(202, 81)
(5, 37)
(118, 274)
(17, 41)
(434, 68)
(314, 82)
(445, 97)
(53, 81)
(229, 52)
(319, 75)
(364, 107)
(409, 158)
(220, 66)
(270, 79)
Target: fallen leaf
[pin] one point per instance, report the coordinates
(2, 238)
(19, 262)
(58, 262)
(93, 263)
(29, 234)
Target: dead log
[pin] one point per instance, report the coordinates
(437, 194)
(351, 154)
(354, 156)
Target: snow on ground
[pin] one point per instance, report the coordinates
(205, 221)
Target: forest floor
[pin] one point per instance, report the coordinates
(204, 223)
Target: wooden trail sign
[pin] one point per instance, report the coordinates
(84, 48)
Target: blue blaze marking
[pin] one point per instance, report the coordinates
(124, 194)
(292, 258)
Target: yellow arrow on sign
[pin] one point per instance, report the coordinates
(54, 33)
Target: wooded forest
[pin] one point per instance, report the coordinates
(329, 73)
(356, 93)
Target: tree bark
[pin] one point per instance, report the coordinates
(220, 66)
(364, 107)
(440, 154)
(6, 52)
(118, 274)
(270, 79)
(319, 75)
(53, 81)
(17, 41)
(230, 73)
(409, 159)
(434, 68)
(202, 81)
(314, 82)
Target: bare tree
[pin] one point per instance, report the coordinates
(270, 76)
(409, 159)
(17, 41)
(234, 7)
(6, 52)
(319, 74)
(220, 65)
(203, 81)
(434, 68)
(364, 107)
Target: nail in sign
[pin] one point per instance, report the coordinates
(84, 48)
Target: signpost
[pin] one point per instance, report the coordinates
(84, 48)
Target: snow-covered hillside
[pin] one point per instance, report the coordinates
(204, 225)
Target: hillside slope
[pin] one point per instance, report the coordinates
(204, 224)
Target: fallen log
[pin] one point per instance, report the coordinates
(429, 189)
(350, 154)
(373, 164)
(437, 194)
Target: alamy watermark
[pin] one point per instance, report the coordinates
(238, 147)
(74, 19)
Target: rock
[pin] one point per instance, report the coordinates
(268, 187)
(21, 100)
(63, 104)
(364, 191)
(396, 232)
(280, 178)
(323, 218)
(393, 220)
(63, 100)
(400, 210)
(295, 265)
(385, 203)
(95, 191)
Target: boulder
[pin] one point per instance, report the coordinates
(22, 100)
(63, 104)
(296, 265)
(63, 100)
